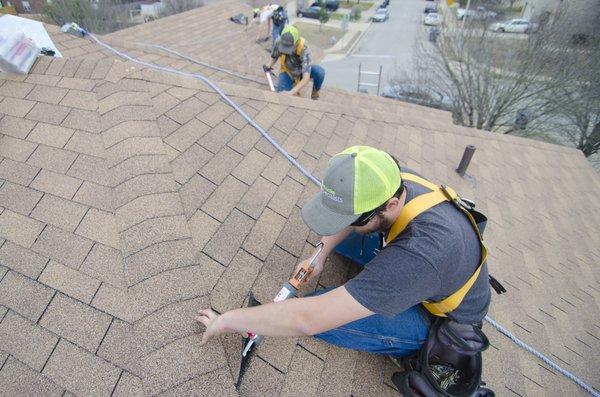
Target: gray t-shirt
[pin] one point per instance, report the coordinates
(431, 259)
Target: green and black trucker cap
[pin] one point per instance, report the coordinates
(357, 180)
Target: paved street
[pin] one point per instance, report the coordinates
(390, 44)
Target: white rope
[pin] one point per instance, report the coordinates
(312, 178)
(542, 357)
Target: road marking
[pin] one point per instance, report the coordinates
(371, 56)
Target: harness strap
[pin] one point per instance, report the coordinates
(283, 58)
(422, 203)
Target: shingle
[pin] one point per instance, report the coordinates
(86, 143)
(78, 323)
(53, 159)
(18, 198)
(244, 140)
(26, 341)
(57, 184)
(47, 94)
(17, 172)
(129, 386)
(251, 166)
(303, 374)
(177, 285)
(117, 302)
(17, 379)
(215, 114)
(224, 198)
(95, 196)
(202, 227)
(275, 271)
(52, 114)
(129, 129)
(82, 84)
(16, 127)
(85, 120)
(81, 372)
(186, 110)
(135, 146)
(194, 193)
(264, 233)
(153, 231)
(19, 229)
(147, 207)
(22, 260)
(158, 258)
(24, 295)
(99, 226)
(217, 169)
(277, 169)
(121, 98)
(286, 197)
(294, 233)
(51, 135)
(16, 149)
(217, 137)
(187, 134)
(164, 102)
(80, 99)
(164, 326)
(69, 281)
(59, 212)
(144, 185)
(64, 247)
(261, 379)
(90, 168)
(121, 346)
(105, 263)
(257, 197)
(229, 237)
(179, 361)
(215, 383)
(189, 162)
(42, 79)
(15, 89)
(232, 288)
(336, 378)
(16, 107)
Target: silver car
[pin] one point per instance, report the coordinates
(381, 15)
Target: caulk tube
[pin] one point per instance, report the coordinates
(286, 292)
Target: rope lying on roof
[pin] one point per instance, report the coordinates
(316, 181)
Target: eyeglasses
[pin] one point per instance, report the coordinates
(365, 218)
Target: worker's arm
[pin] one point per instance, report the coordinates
(303, 82)
(292, 317)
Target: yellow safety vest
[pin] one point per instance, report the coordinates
(420, 204)
(283, 58)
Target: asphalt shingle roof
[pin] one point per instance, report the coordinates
(130, 198)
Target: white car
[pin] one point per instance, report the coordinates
(432, 19)
(513, 26)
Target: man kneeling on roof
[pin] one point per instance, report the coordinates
(421, 254)
(295, 63)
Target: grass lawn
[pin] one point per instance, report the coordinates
(321, 39)
(365, 5)
(336, 16)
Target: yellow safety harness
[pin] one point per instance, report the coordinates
(283, 58)
(422, 203)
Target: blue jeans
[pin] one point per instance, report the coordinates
(275, 34)
(400, 335)
(317, 75)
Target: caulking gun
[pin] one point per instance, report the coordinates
(288, 291)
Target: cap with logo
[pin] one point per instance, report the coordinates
(357, 180)
(287, 40)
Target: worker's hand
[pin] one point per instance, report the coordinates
(267, 69)
(210, 320)
(316, 270)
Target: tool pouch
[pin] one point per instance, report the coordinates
(450, 345)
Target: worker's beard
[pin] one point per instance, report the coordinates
(384, 224)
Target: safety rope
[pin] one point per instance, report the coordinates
(316, 181)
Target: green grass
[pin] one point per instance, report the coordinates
(365, 5)
(321, 39)
(336, 16)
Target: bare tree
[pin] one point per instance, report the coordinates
(172, 7)
(102, 16)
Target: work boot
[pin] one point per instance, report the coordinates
(315, 94)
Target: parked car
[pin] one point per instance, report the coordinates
(381, 15)
(432, 19)
(417, 94)
(514, 26)
(432, 8)
(480, 13)
(331, 5)
(385, 4)
(310, 12)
